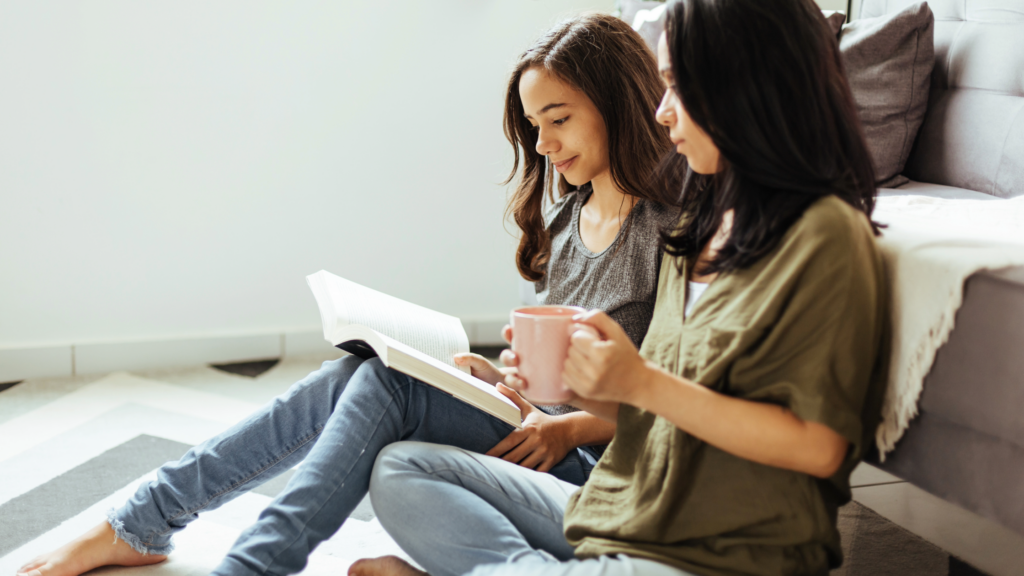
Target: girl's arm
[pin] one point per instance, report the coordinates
(587, 429)
(544, 440)
(604, 365)
(605, 411)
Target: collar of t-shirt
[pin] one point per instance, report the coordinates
(693, 293)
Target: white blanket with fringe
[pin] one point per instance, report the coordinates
(930, 248)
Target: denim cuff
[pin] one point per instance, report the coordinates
(132, 540)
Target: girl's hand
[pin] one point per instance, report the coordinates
(506, 333)
(516, 382)
(511, 361)
(481, 368)
(603, 363)
(542, 442)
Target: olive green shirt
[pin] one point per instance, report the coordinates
(804, 328)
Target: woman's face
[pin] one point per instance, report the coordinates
(570, 130)
(692, 142)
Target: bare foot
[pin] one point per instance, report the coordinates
(384, 566)
(97, 547)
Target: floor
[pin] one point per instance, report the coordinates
(983, 544)
(71, 448)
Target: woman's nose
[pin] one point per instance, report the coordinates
(665, 115)
(545, 144)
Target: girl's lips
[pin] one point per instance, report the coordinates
(565, 164)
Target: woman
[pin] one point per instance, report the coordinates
(340, 417)
(747, 407)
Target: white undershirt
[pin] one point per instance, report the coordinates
(695, 291)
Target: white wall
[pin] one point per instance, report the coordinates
(832, 5)
(175, 169)
(841, 5)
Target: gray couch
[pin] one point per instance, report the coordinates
(967, 444)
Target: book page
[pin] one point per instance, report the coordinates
(437, 335)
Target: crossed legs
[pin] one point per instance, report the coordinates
(458, 512)
(336, 421)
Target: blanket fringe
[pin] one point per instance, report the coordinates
(900, 404)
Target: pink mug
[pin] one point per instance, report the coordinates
(540, 339)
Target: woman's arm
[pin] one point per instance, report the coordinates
(604, 365)
(764, 433)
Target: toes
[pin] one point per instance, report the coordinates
(31, 565)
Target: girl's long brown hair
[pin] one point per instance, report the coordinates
(602, 57)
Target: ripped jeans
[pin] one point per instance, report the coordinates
(335, 421)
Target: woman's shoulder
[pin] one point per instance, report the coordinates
(832, 219)
(831, 231)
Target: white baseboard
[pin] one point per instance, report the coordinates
(19, 363)
(102, 358)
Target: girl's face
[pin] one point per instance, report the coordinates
(692, 142)
(570, 130)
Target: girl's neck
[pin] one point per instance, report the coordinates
(608, 202)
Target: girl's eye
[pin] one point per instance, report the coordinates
(560, 121)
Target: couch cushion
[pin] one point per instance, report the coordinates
(973, 132)
(889, 60)
(935, 191)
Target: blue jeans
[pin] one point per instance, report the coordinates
(338, 419)
(457, 512)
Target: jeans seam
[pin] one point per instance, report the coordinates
(301, 443)
(527, 505)
(273, 559)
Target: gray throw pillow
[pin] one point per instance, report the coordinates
(889, 63)
(835, 20)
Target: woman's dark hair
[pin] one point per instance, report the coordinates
(765, 81)
(602, 57)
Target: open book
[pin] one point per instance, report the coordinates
(411, 339)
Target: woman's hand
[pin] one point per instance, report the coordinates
(542, 442)
(482, 368)
(603, 363)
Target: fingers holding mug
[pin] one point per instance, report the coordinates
(516, 382)
(509, 358)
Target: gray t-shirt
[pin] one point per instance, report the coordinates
(622, 279)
